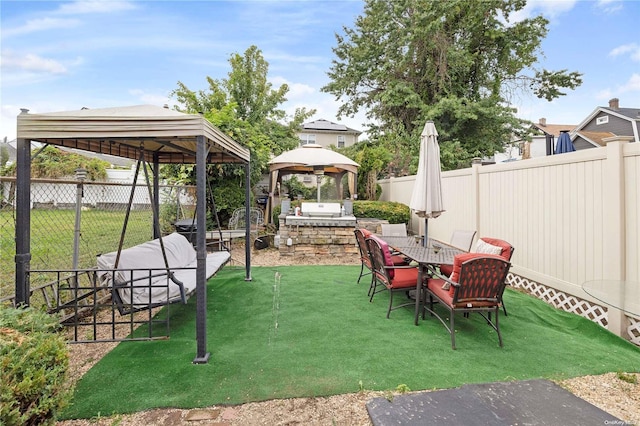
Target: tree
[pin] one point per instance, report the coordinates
(245, 106)
(54, 163)
(455, 62)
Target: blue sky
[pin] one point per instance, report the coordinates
(67, 55)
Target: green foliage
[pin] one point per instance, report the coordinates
(455, 62)
(4, 155)
(33, 367)
(392, 211)
(626, 377)
(275, 213)
(296, 188)
(244, 106)
(52, 162)
(402, 388)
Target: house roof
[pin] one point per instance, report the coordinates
(327, 126)
(594, 137)
(169, 136)
(632, 113)
(554, 129)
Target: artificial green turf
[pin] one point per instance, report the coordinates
(314, 333)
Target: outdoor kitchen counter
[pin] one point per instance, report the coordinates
(311, 236)
(349, 221)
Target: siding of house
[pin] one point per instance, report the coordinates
(615, 125)
(326, 139)
(325, 133)
(581, 143)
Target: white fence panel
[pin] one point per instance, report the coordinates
(572, 218)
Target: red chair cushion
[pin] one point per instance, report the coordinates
(398, 260)
(446, 270)
(405, 278)
(435, 286)
(365, 232)
(457, 265)
(506, 247)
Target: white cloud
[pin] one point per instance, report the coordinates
(81, 7)
(30, 62)
(297, 91)
(150, 98)
(632, 85)
(549, 9)
(609, 6)
(604, 94)
(632, 48)
(42, 24)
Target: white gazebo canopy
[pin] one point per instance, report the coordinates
(310, 159)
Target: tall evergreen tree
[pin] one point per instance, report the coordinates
(456, 62)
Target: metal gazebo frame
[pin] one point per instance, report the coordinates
(160, 136)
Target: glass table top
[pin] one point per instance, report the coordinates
(620, 294)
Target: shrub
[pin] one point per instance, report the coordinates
(392, 211)
(34, 361)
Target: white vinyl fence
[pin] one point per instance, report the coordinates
(572, 218)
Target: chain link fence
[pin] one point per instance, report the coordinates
(72, 222)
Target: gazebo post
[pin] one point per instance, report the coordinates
(23, 221)
(156, 195)
(247, 221)
(202, 356)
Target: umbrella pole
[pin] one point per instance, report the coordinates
(426, 233)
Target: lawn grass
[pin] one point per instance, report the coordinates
(313, 332)
(52, 239)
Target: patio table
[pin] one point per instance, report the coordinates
(411, 248)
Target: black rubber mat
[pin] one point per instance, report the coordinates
(531, 402)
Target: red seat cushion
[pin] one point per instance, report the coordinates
(435, 286)
(405, 278)
(398, 260)
(459, 260)
(365, 232)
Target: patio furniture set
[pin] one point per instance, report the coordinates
(433, 272)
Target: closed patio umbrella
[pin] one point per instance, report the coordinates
(564, 143)
(426, 199)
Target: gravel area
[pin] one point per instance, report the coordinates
(615, 393)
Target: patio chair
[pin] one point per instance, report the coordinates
(476, 285)
(499, 247)
(387, 276)
(365, 259)
(393, 229)
(487, 245)
(461, 239)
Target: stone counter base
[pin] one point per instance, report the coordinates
(312, 241)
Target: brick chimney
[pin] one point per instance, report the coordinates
(614, 103)
(542, 122)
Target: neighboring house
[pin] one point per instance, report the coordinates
(10, 151)
(326, 133)
(606, 122)
(544, 137)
